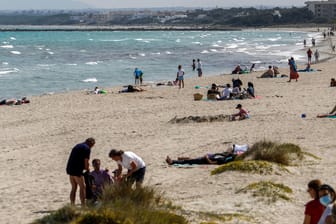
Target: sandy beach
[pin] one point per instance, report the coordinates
(36, 140)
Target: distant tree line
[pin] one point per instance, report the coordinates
(234, 17)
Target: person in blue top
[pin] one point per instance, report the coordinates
(138, 76)
(78, 162)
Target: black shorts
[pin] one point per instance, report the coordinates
(139, 175)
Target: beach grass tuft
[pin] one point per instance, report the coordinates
(267, 190)
(285, 153)
(120, 203)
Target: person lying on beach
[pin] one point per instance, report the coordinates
(242, 114)
(332, 82)
(332, 113)
(307, 69)
(99, 91)
(14, 101)
(210, 158)
(268, 74)
(131, 89)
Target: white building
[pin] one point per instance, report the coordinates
(322, 8)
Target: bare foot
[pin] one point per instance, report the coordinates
(168, 160)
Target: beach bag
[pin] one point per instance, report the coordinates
(198, 96)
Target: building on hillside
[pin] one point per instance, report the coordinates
(322, 8)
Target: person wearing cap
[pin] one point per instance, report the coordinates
(327, 198)
(242, 114)
(78, 162)
(314, 208)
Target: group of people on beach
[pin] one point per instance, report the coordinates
(322, 209)
(92, 183)
(229, 93)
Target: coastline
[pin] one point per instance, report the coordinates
(38, 137)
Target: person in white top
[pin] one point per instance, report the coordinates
(227, 92)
(199, 68)
(136, 167)
(327, 198)
(180, 76)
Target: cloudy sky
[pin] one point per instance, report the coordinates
(77, 4)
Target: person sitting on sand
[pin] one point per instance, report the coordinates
(250, 90)
(213, 93)
(237, 70)
(101, 178)
(332, 113)
(131, 89)
(268, 74)
(276, 71)
(227, 92)
(242, 114)
(210, 158)
(14, 101)
(332, 82)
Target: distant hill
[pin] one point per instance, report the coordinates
(42, 4)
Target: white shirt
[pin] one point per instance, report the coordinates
(326, 213)
(128, 157)
(180, 72)
(226, 92)
(199, 65)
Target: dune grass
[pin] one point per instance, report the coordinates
(267, 190)
(285, 153)
(120, 204)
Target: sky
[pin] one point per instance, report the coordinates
(81, 4)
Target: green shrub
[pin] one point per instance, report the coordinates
(120, 204)
(267, 190)
(284, 154)
(249, 166)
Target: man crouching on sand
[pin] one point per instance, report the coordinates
(77, 163)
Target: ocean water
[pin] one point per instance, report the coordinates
(36, 63)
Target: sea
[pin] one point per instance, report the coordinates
(47, 62)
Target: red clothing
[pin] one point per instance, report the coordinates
(314, 209)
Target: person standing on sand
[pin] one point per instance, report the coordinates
(314, 208)
(199, 68)
(293, 74)
(136, 167)
(78, 162)
(180, 76)
(193, 65)
(309, 55)
(317, 56)
(137, 76)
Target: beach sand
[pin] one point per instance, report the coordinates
(36, 140)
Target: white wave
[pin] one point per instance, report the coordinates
(15, 52)
(47, 49)
(5, 42)
(82, 50)
(274, 39)
(74, 64)
(255, 62)
(90, 80)
(7, 46)
(241, 49)
(238, 40)
(132, 57)
(199, 43)
(45, 65)
(90, 39)
(219, 41)
(13, 38)
(40, 48)
(213, 50)
(120, 40)
(142, 54)
(92, 63)
(50, 52)
(168, 52)
(204, 52)
(231, 46)
(178, 41)
(262, 47)
(215, 45)
(5, 63)
(155, 53)
(4, 72)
